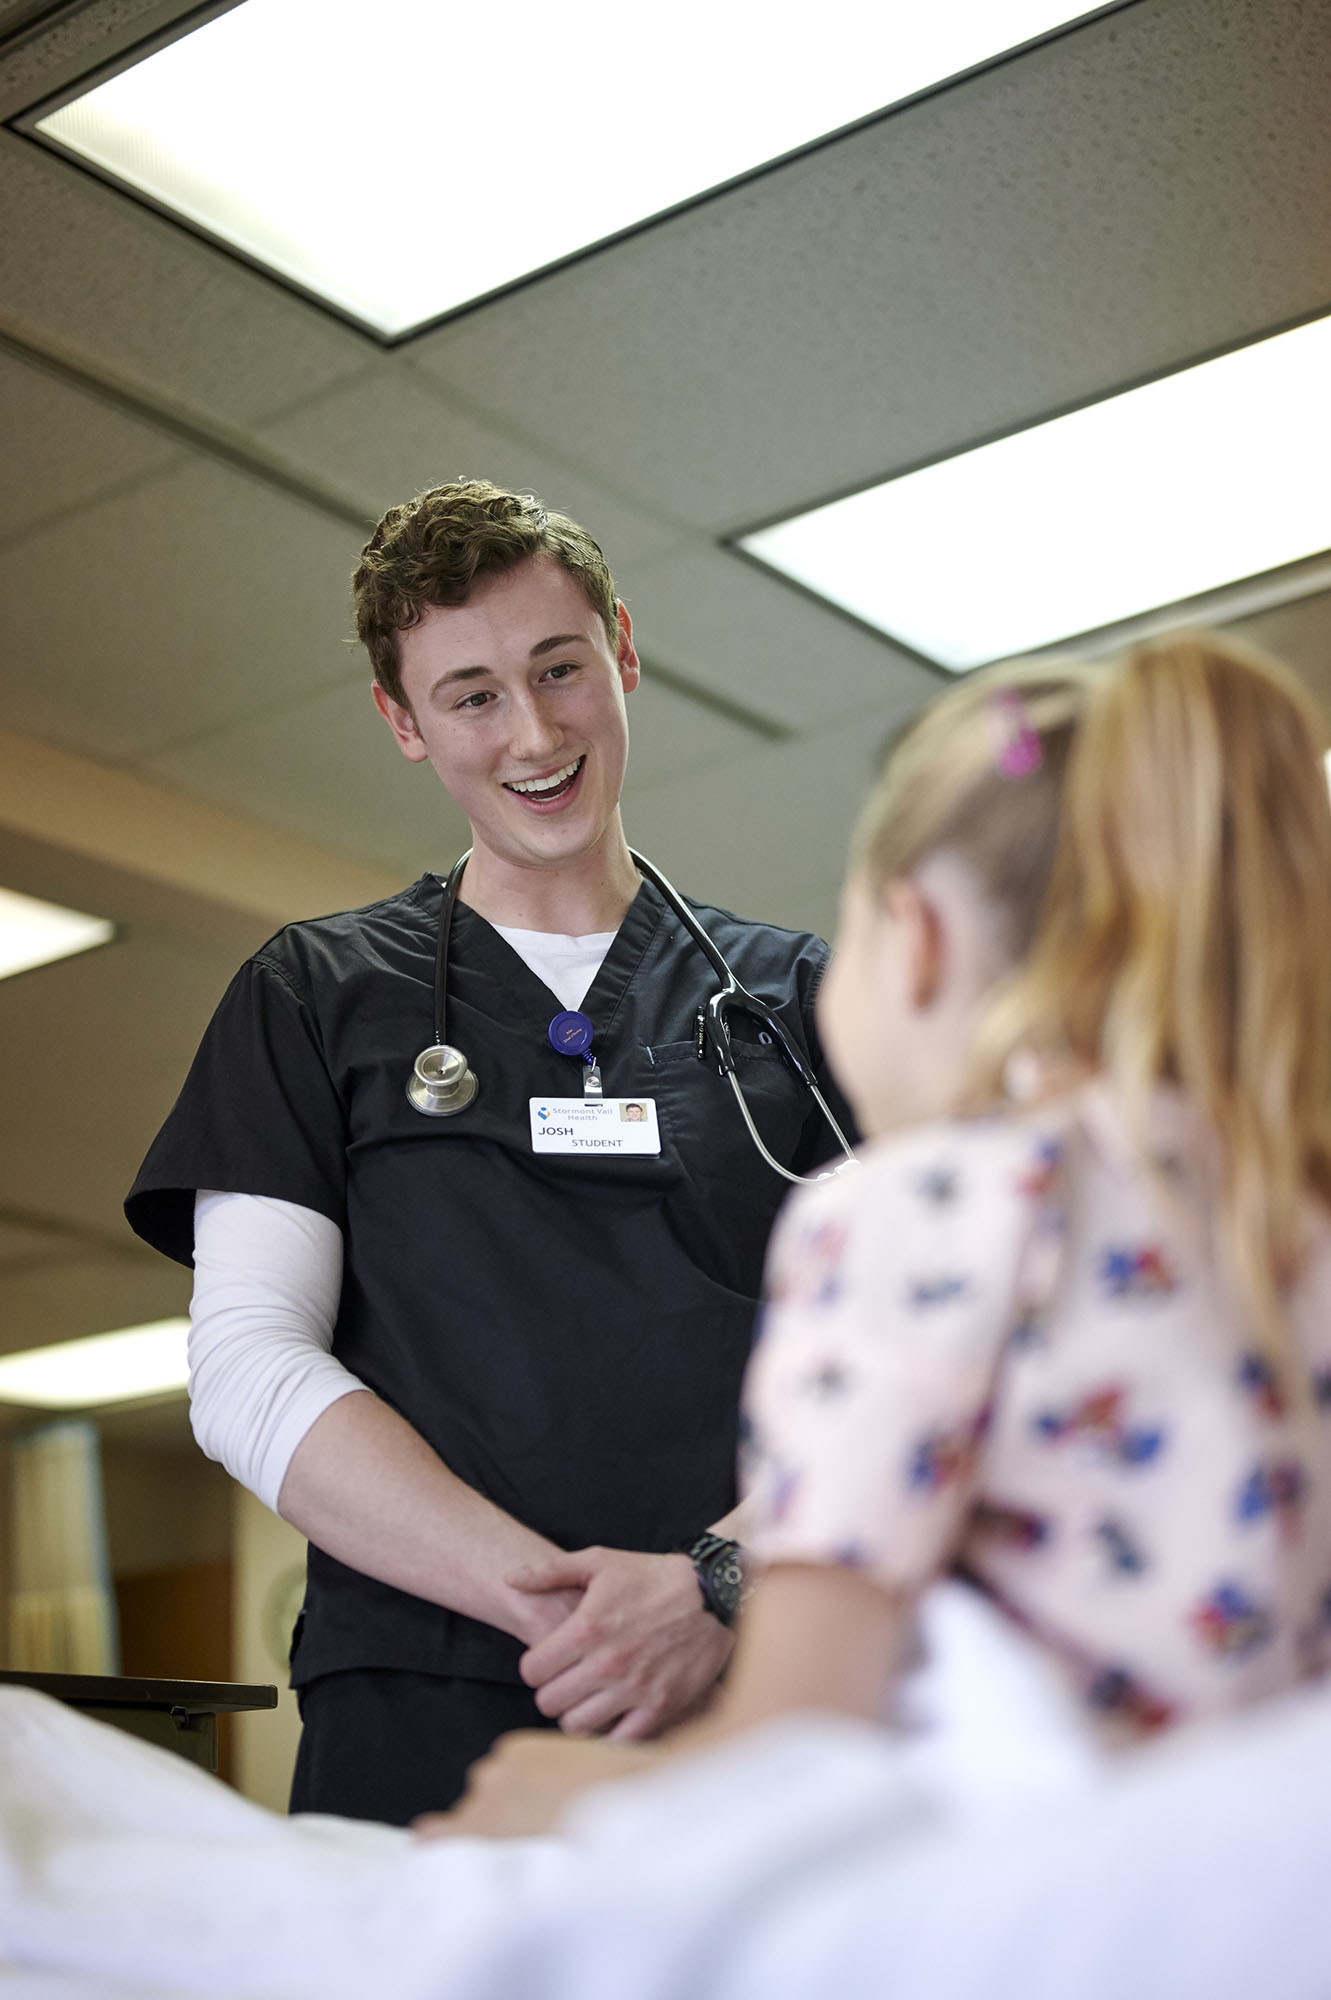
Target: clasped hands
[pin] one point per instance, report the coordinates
(635, 1654)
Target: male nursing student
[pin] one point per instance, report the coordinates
(495, 1385)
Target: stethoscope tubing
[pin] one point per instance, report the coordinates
(712, 1031)
(451, 886)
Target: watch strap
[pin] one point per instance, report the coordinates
(718, 1565)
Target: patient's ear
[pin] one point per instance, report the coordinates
(920, 930)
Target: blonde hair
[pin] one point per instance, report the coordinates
(943, 789)
(1186, 932)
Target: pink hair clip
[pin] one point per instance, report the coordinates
(1018, 752)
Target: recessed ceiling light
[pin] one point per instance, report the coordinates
(400, 161)
(34, 933)
(119, 1367)
(1166, 492)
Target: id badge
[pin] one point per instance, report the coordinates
(594, 1125)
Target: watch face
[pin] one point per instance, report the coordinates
(725, 1583)
(719, 1566)
(728, 1580)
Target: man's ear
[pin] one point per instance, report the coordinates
(629, 670)
(402, 723)
(922, 937)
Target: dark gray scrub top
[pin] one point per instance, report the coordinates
(568, 1333)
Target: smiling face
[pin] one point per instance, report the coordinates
(516, 698)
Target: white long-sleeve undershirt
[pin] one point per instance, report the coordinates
(267, 1281)
(267, 1278)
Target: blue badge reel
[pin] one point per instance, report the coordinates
(570, 1034)
(591, 1123)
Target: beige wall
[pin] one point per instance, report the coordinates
(268, 1573)
(165, 1508)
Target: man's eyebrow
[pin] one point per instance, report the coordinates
(559, 639)
(458, 674)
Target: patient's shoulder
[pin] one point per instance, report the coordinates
(1004, 1160)
(949, 1197)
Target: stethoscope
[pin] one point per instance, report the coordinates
(443, 1082)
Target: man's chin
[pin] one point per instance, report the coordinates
(546, 843)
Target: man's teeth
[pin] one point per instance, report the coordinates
(547, 784)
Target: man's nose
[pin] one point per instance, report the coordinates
(534, 732)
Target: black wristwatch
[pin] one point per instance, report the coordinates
(719, 1568)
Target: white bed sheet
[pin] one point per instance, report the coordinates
(32, 1985)
(811, 1861)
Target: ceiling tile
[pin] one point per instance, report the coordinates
(719, 621)
(1149, 186)
(390, 435)
(96, 272)
(170, 610)
(1300, 635)
(14, 13)
(62, 447)
(671, 736)
(766, 834)
(326, 767)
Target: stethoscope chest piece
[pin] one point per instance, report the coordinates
(441, 1081)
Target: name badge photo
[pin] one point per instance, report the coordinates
(594, 1125)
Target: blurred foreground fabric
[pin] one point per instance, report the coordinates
(811, 1859)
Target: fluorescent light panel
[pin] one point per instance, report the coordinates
(398, 161)
(34, 933)
(119, 1367)
(1165, 492)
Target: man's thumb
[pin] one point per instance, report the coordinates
(552, 1572)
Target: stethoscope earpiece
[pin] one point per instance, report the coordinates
(441, 1081)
